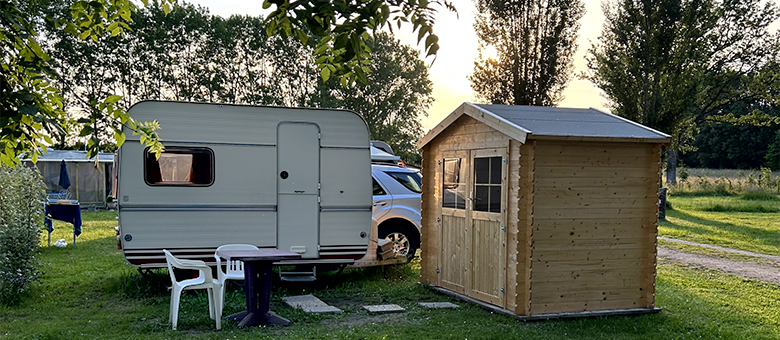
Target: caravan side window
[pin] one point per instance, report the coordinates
(180, 167)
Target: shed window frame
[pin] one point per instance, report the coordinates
(150, 161)
(455, 183)
(487, 181)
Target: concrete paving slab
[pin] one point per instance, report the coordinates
(310, 304)
(384, 308)
(300, 301)
(322, 309)
(439, 305)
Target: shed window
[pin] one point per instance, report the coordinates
(487, 184)
(454, 191)
(180, 167)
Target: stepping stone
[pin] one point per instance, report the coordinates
(384, 308)
(439, 305)
(310, 304)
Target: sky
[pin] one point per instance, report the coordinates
(457, 52)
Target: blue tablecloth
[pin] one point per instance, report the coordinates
(70, 213)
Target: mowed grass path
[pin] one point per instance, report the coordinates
(91, 293)
(725, 221)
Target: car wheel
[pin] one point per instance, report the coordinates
(404, 244)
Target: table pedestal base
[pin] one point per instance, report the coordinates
(250, 319)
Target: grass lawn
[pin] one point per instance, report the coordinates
(91, 293)
(731, 222)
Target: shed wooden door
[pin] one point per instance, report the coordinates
(473, 232)
(488, 253)
(454, 257)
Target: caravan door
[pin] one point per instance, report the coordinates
(298, 180)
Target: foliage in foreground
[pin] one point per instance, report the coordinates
(21, 216)
(90, 292)
(31, 106)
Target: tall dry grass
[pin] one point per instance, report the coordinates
(751, 184)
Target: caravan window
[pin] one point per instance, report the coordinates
(180, 167)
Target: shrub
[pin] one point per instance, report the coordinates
(759, 195)
(765, 181)
(21, 216)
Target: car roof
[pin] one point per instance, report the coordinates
(391, 168)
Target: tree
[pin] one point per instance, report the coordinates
(346, 25)
(535, 42)
(397, 93)
(32, 108)
(186, 54)
(191, 55)
(672, 64)
(733, 146)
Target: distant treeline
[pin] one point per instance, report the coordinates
(728, 146)
(192, 55)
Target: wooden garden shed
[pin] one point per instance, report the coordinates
(542, 212)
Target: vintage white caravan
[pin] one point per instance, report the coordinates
(287, 178)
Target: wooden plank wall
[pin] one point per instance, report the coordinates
(465, 133)
(519, 222)
(429, 245)
(594, 226)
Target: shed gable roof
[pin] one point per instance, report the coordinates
(539, 122)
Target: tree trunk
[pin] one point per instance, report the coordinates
(671, 167)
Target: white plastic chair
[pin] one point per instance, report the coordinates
(204, 281)
(234, 270)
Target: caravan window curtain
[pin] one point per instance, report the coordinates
(180, 167)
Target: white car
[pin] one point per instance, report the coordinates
(397, 193)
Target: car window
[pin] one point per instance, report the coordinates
(410, 180)
(378, 189)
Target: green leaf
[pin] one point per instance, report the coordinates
(304, 39)
(120, 137)
(361, 76)
(113, 99)
(27, 111)
(431, 40)
(270, 30)
(325, 73)
(84, 35)
(321, 49)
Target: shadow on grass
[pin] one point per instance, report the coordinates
(135, 286)
(755, 236)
